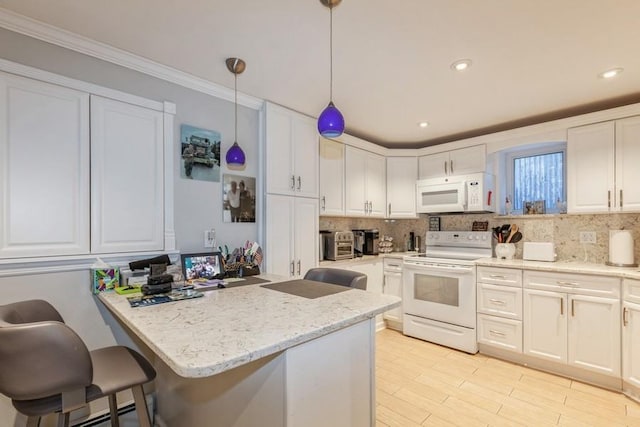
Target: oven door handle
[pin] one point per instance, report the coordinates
(424, 267)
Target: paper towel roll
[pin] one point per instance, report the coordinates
(621, 247)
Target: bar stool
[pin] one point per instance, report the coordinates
(46, 368)
(337, 276)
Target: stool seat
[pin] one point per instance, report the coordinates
(337, 276)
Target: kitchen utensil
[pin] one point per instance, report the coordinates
(517, 236)
(513, 229)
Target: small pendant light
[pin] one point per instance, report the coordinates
(331, 122)
(235, 155)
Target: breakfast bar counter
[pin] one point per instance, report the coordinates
(249, 355)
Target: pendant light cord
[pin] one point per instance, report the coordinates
(331, 54)
(235, 90)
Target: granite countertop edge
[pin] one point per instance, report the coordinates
(563, 267)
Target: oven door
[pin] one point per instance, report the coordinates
(440, 291)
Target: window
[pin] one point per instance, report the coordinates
(537, 174)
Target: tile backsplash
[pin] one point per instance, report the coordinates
(564, 230)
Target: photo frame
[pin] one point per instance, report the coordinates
(534, 207)
(238, 198)
(434, 223)
(199, 153)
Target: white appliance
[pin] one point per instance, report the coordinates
(439, 288)
(462, 193)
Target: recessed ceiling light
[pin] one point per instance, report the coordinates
(610, 73)
(461, 65)
(423, 124)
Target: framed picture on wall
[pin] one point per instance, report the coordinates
(199, 153)
(239, 198)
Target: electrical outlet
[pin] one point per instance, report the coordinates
(209, 238)
(588, 237)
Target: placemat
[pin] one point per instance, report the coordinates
(146, 300)
(306, 288)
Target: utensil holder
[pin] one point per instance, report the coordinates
(505, 250)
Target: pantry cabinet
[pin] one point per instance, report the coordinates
(365, 175)
(291, 235)
(573, 319)
(602, 172)
(332, 184)
(291, 152)
(402, 173)
(455, 162)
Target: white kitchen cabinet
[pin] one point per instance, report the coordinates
(365, 177)
(602, 172)
(44, 169)
(373, 269)
(573, 319)
(127, 172)
(332, 184)
(455, 162)
(291, 235)
(291, 152)
(402, 174)
(392, 285)
(631, 338)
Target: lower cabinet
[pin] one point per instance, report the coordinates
(392, 285)
(565, 322)
(631, 338)
(375, 279)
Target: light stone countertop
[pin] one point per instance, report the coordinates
(364, 259)
(563, 267)
(233, 326)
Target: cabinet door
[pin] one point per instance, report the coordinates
(279, 151)
(127, 204)
(594, 334)
(44, 169)
(331, 177)
(545, 324)
(393, 286)
(305, 234)
(355, 178)
(590, 168)
(376, 185)
(279, 231)
(631, 344)
(468, 160)
(627, 160)
(304, 144)
(433, 165)
(402, 173)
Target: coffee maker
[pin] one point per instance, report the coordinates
(366, 242)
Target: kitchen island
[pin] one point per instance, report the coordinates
(251, 356)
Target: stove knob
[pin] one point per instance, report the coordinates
(470, 237)
(477, 237)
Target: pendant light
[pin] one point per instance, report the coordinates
(235, 155)
(331, 122)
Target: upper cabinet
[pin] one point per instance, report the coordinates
(44, 169)
(455, 162)
(602, 172)
(291, 152)
(366, 181)
(332, 183)
(402, 173)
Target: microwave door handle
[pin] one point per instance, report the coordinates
(463, 195)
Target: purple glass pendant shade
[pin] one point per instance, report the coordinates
(331, 122)
(235, 155)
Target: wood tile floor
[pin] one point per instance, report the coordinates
(423, 384)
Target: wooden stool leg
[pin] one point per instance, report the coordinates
(63, 419)
(141, 406)
(33, 421)
(113, 409)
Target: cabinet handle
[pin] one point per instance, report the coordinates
(609, 199)
(370, 207)
(324, 203)
(451, 163)
(561, 306)
(389, 209)
(620, 198)
(625, 321)
(497, 276)
(573, 308)
(497, 301)
(366, 207)
(445, 167)
(293, 182)
(565, 283)
(298, 267)
(293, 268)
(497, 333)
(299, 182)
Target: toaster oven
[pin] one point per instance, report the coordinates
(339, 245)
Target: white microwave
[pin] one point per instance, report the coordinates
(461, 193)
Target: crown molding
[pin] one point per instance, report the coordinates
(48, 33)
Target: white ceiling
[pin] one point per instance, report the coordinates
(391, 58)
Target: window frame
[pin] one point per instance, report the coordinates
(538, 150)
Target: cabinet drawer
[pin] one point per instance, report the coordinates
(499, 332)
(631, 290)
(500, 276)
(599, 286)
(504, 301)
(392, 264)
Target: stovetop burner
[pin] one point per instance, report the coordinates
(456, 245)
